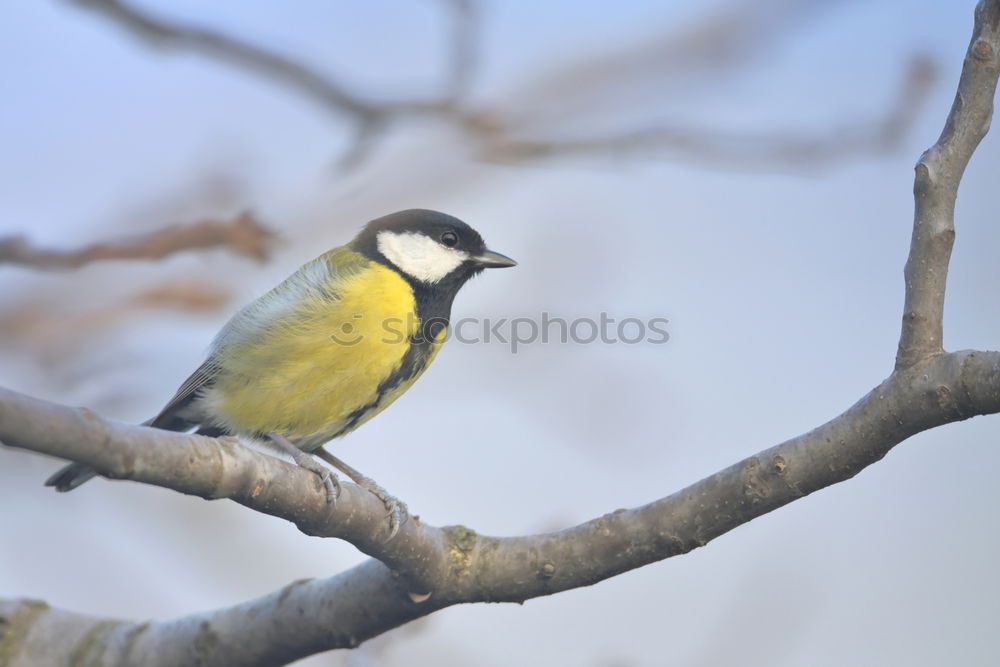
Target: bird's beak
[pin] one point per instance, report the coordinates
(493, 260)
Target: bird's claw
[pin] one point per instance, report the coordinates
(332, 486)
(398, 514)
(397, 509)
(326, 476)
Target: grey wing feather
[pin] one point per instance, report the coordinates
(172, 417)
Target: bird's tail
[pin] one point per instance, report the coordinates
(69, 477)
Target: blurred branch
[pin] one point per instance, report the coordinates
(243, 234)
(722, 41)
(54, 330)
(161, 33)
(194, 296)
(729, 38)
(368, 114)
(698, 55)
(465, 40)
(499, 143)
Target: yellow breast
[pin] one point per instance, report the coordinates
(317, 368)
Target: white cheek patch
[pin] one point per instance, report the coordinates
(419, 256)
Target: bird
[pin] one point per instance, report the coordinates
(330, 347)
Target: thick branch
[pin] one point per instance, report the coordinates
(243, 234)
(935, 188)
(454, 565)
(213, 468)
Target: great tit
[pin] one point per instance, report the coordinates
(331, 346)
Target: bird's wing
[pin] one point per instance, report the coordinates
(171, 417)
(315, 281)
(320, 277)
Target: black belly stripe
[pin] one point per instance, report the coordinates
(433, 306)
(415, 359)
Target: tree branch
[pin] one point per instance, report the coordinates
(440, 567)
(243, 234)
(935, 188)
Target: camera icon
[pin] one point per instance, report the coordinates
(347, 334)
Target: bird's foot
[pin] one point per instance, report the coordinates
(397, 509)
(329, 478)
(303, 460)
(398, 512)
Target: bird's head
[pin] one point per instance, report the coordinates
(428, 248)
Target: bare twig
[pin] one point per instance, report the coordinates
(935, 188)
(243, 234)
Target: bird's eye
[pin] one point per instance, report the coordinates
(449, 239)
